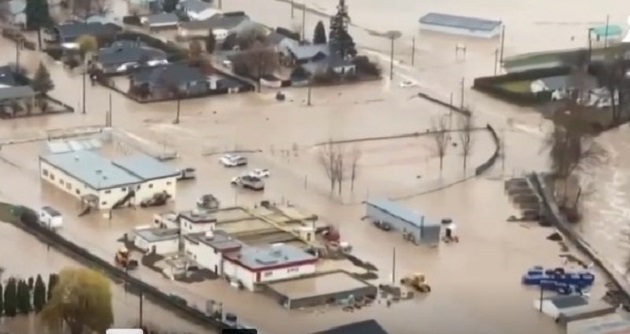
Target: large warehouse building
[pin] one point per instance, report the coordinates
(104, 183)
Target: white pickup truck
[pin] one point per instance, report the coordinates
(50, 218)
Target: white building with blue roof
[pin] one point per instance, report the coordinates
(105, 183)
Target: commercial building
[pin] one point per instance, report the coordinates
(104, 183)
(208, 249)
(416, 228)
(157, 240)
(252, 265)
(461, 25)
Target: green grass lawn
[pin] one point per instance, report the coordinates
(520, 87)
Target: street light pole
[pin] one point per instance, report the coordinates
(84, 75)
(461, 104)
(308, 100)
(141, 310)
(413, 51)
(292, 8)
(178, 109)
(496, 61)
(391, 59)
(304, 22)
(502, 43)
(590, 45)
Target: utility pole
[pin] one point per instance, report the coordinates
(450, 113)
(304, 22)
(84, 84)
(141, 310)
(391, 59)
(394, 265)
(502, 43)
(461, 104)
(178, 109)
(292, 8)
(413, 51)
(220, 4)
(496, 61)
(17, 53)
(590, 45)
(109, 121)
(606, 32)
(308, 99)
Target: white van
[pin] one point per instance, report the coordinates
(50, 218)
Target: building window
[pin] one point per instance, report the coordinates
(123, 189)
(268, 273)
(52, 177)
(61, 182)
(168, 183)
(103, 203)
(293, 270)
(108, 191)
(78, 191)
(68, 186)
(150, 185)
(45, 172)
(138, 187)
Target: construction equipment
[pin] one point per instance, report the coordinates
(123, 259)
(339, 247)
(158, 199)
(416, 281)
(382, 225)
(208, 202)
(329, 233)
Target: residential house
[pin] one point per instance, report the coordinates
(66, 34)
(122, 56)
(221, 25)
(196, 10)
(162, 81)
(8, 77)
(281, 43)
(302, 54)
(332, 62)
(16, 14)
(14, 98)
(161, 21)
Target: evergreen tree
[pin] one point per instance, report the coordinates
(211, 42)
(1, 300)
(37, 17)
(23, 297)
(39, 294)
(31, 282)
(319, 35)
(10, 298)
(53, 279)
(42, 82)
(169, 6)
(340, 41)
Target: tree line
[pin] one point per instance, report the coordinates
(24, 296)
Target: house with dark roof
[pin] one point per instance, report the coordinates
(123, 56)
(196, 10)
(168, 81)
(302, 54)
(221, 25)
(66, 34)
(281, 43)
(160, 21)
(361, 327)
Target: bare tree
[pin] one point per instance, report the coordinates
(256, 62)
(340, 167)
(465, 137)
(355, 156)
(327, 158)
(441, 136)
(249, 37)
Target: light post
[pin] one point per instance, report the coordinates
(392, 35)
(590, 45)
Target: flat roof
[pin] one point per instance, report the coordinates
(461, 22)
(199, 215)
(155, 234)
(607, 324)
(219, 240)
(91, 168)
(275, 256)
(399, 211)
(52, 212)
(362, 327)
(145, 167)
(326, 283)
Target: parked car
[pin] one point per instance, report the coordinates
(50, 218)
(230, 160)
(408, 84)
(248, 182)
(208, 202)
(260, 173)
(188, 173)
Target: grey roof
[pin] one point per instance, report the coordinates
(362, 327)
(199, 215)
(62, 146)
(303, 52)
(220, 240)
(562, 302)
(196, 6)
(7, 76)
(162, 19)
(52, 212)
(398, 211)
(154, 234)
(461, 22)
(221, 21)
(160, 75)
(70, 31)
(276, 255)
(135, 54)
(145, 167)
(276, 38)
(16, 92)
(91, 168)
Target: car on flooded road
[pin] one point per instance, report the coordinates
(231, 160)
(248, 182)
(260, 173)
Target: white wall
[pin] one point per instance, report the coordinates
(149, 188)
(249, 278)
(190, 227)
(205, 256)
(161, 247)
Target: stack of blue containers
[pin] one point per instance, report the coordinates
(558, 280)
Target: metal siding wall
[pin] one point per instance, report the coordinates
(398, 224)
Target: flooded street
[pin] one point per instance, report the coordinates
(492, 255)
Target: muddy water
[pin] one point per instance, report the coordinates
(44, 261)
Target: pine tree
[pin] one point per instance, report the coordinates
(42, 82)
(340, 41)
(37, 17)
(211, 42)
(39, 294)
(10, 298)
(1, 300)
(319, 35)
(24, 297)
(31, 283)
(53, 279)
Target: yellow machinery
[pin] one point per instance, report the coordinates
(123, 259)
(416, 281)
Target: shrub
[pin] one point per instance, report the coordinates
(133, 20)
(327, 77)
(365, 66)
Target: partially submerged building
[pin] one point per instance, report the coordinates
(415, 227)
(461, 25)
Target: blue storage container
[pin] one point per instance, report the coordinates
(563, 289)
(547, 284)
(587, 278)
(531, 279)
(535, 271)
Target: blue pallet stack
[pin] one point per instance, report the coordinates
(558, 280)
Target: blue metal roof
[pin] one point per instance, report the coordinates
(91, 168)
(398, 211)
(461, 22)
(145, 167)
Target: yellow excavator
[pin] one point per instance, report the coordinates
(123, 259)
(416, 281)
